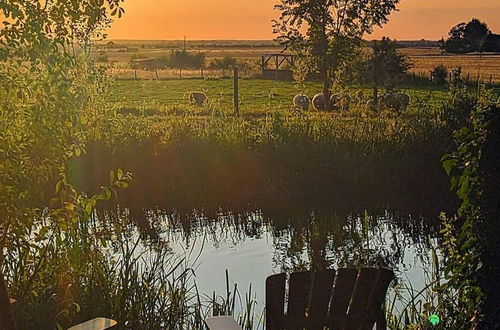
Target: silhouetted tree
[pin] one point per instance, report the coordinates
(182, 59)
(385, 67)
(327, 33)
(467, 37)
(225, 63)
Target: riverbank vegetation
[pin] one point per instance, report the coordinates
(89, 172)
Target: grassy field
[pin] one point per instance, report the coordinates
(256, 95)
(120, 52)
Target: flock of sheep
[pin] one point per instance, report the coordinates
(340, 102)
(398, 101)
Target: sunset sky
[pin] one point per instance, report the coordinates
(251, 19)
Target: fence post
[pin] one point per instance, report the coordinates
(236, 92)
(491, 80)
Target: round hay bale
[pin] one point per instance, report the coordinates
(198, 98)
(301, 102)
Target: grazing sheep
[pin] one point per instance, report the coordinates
(198, 98)
(319, 102)
(301, 102)
(337, 102)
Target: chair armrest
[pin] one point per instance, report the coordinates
(95, 324)
(222, 323)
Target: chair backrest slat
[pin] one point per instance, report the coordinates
(320, 298)
(352, 299)
(298, 299)
(379, 291)
(275, 301)
(341, 296)
(359, 317)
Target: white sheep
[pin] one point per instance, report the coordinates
(337, 102)
(198, 98)
(319, 102)
(301, 102)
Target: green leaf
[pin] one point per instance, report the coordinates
(449, 165)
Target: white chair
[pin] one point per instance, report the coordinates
(95, 324)
(222, 323)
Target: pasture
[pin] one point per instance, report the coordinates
(120, 52)
(257, 96)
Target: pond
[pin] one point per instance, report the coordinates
(256, 212)
(249, 246)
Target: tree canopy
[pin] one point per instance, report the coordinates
(327, 32)
(385, 67)
(474, 36)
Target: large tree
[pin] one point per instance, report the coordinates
(467, 37)
(327, 32)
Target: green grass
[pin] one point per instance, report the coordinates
(256, 95)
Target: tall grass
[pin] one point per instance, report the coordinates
(104, 269)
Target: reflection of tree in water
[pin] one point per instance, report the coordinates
(301, 238)
(332, 241)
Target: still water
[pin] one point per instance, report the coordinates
(253, 245)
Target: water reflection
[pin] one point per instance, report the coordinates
(254, 244)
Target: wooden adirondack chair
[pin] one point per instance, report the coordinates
(352, 299)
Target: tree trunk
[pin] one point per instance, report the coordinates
(6, 318)
(327, 93)
(327, 87)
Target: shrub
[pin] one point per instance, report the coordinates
(439, 74)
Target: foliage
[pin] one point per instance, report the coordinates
(439, 74)
(327, 33)
(177, 59)
(467, 37)
(225, 63)
(470, 237)
(386, 66)
(50, 95)
(182, 59)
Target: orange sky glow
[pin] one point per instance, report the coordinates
(251, 19)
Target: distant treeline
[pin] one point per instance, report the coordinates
(193, 44)
(176, 59)
(410, 43)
